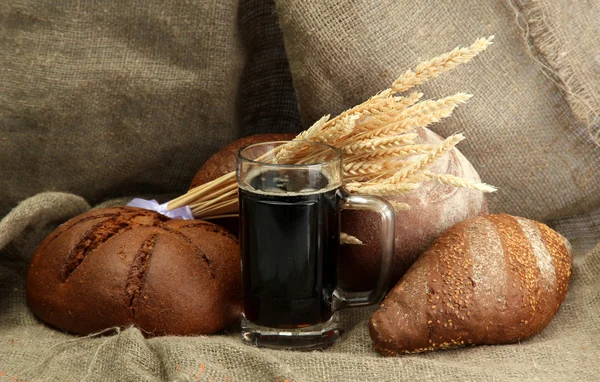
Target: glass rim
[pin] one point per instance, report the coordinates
(338, 155)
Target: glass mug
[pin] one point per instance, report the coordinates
(289, 243)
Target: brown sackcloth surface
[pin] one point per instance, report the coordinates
(112, 99)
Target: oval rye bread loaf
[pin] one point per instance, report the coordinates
(488, 280)
(434, 207)
(128, 266)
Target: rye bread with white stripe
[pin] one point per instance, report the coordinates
(492, 279)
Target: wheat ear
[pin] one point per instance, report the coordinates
(420, 115)
(362, 168)
(433, 68)
(395, 152)
(370, 145)
(460, 182)
(314, 129)
(396, 112)
(381, 189)
(414, 166)
(399, 206)
(349, 239)
(373, 135)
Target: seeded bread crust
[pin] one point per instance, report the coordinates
(493, 279)
(128, 266)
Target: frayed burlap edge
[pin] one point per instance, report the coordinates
(549, 52)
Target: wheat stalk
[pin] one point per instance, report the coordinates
(381, 155)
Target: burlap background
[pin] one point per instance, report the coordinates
(517, 112)
(127, 97)
(566, 35)
(107, 99)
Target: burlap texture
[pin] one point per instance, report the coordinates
(106, 99)
(130, 97)
(339, 54)
(566, 33)
(566, 350)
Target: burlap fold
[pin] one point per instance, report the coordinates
(566, 350)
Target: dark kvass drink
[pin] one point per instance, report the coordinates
(289, 244)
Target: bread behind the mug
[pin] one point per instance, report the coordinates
(224, 160)
(434, 207)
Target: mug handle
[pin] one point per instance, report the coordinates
(343, 299)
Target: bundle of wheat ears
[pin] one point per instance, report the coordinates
(380, 156)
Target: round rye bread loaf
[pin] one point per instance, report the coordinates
(224, 162)
(492, 279)
(434, 207)
(128, 266)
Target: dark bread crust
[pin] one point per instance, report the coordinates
(128, 266)
(224, 160)
(488, 280)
